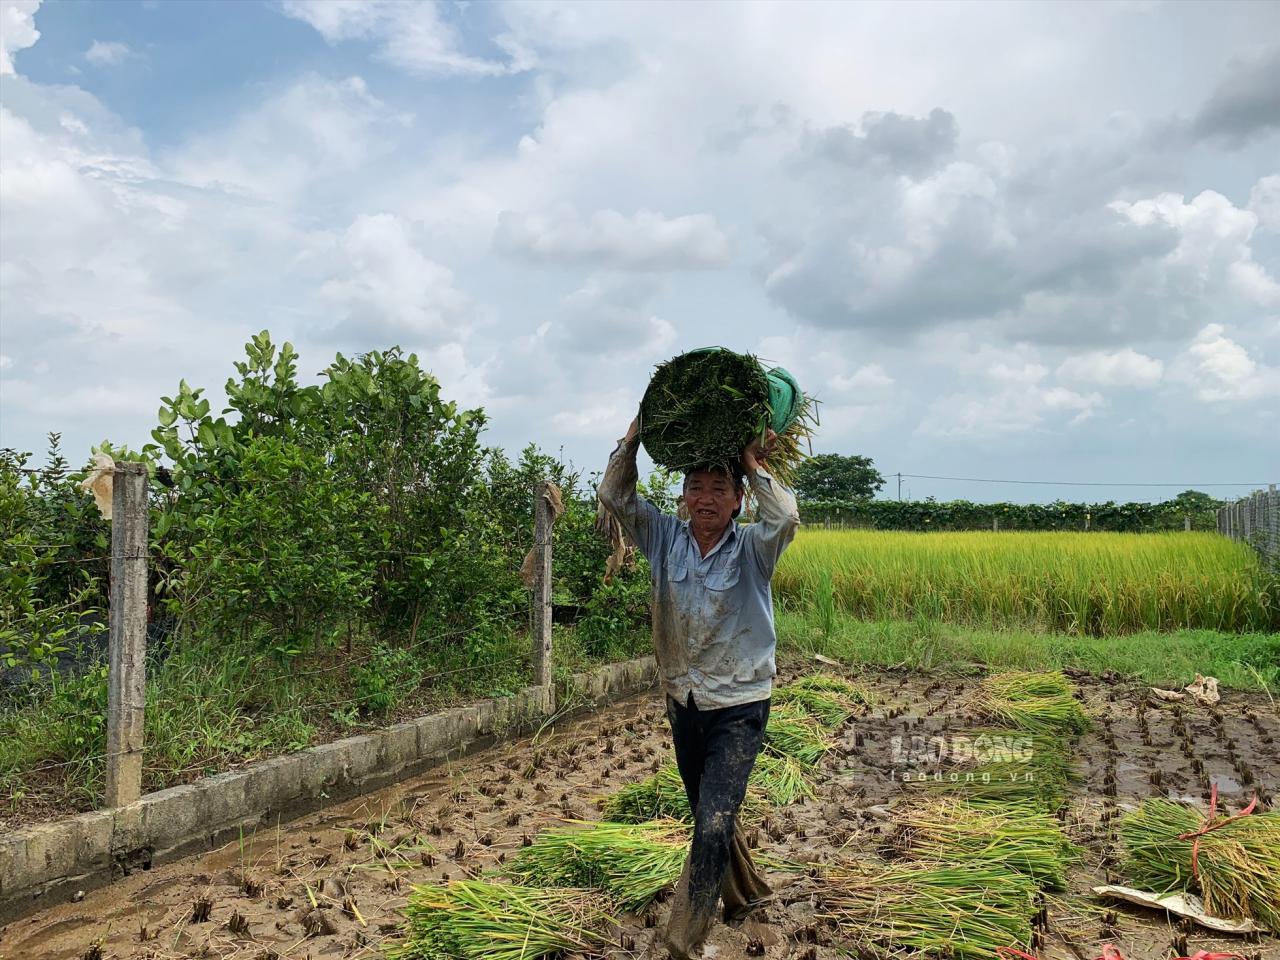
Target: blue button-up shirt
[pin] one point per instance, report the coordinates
(713, 633)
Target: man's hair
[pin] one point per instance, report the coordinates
(734, 474)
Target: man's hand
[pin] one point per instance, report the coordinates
(757, 452)
(633, 431)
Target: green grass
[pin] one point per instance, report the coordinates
(1246, 661)
(1093, 584)
(211, 705)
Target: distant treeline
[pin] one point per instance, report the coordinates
(930, 514)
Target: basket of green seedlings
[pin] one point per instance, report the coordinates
(791, 732)
(704, 407)
(1036, 702)
(630, 862)
(1237, 865)
(949, 830)
(963, 912)
(1005, 768)
(482, 920)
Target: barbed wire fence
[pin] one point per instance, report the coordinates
(128, 561)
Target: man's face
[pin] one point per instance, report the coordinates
(711, 499)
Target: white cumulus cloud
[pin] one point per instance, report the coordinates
(412, 35)
(1117, 368)
(389, 287)
(643, 241)
(1222, 371)
(17, 30)
(108, 53)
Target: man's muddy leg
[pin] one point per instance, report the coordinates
(687, 735)
(733, 737)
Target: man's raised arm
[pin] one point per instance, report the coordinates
(642, 522)
(777, 514)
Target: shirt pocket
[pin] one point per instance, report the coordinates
(725, 579)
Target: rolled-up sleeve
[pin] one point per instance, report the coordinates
(644, 524)
(777, 520)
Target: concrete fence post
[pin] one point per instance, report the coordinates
(543, 519)
(127, 653)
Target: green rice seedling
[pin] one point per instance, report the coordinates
(780, 778)
(829, 709)
(829, 683)
(793, 733)
(631, 862)
(656, 797)
(482, 920)
(705, 406)
(775, 781)
(1082, 584)
(963, 912)
(1237, 868)
(949, 830)
(1036, 702)
(1010, 768)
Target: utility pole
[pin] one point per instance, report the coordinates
(899, 484)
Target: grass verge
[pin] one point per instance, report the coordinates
(1246, 661)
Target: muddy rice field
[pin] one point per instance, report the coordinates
(333, 884)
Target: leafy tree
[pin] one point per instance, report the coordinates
(831, 476)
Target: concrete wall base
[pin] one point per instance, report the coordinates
(47, 863)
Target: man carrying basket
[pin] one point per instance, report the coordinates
(713, 636)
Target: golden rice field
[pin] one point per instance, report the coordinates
(1083, 583)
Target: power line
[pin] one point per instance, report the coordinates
(1074, 483)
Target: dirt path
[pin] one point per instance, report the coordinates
(332, 885)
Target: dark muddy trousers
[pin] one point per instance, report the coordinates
(715, 750)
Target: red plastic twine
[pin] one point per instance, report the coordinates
(1206, 955)
(1209, 826)
(1014, 952)
(1110, 952)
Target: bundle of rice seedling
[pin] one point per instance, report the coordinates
(480, 920)
(964, 912)
(829, 683)
(951, 831)
(775, 781)
(793, 733)
(829, 700)
(827, 708)
(703, 407)
(781, 779)
(1007, 768)
(631, 862)
(656, 797)
(1232, 862)
(1036, 702)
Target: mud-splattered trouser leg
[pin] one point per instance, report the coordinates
(715, 750)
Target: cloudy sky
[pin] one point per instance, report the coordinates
(1019, 241)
